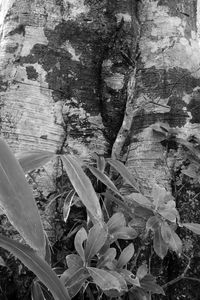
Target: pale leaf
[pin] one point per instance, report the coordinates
(37, 265)
(31, 160)
(125, 256)
(80, 237)
(96, 239)
(17, 200)
(82, 186)
(124, 172)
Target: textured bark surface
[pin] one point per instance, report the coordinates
(93, 76)
(167, 90)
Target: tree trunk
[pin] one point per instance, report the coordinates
(94, 76)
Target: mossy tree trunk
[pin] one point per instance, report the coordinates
(94, 76)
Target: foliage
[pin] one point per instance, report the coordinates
(99, 260)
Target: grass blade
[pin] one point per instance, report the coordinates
(17, 200)
(37, 265)
(82, 186)
(123, 171)
(34, 159)
(105, 179)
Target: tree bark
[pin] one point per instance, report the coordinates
(94, 76)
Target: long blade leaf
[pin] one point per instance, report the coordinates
(123, 171)
(82, 186)
(105, 179)
(17, 200)
(37, 265)
(34, 159)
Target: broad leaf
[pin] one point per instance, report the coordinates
(80, 237)
(124, 233)
(107, 257)
(130, 277)
(159, 245)
(169, 211)
(195, 227)
(82, 186)
(166, 232)
(96, 239)
(74, 261)
(37, 265)
(121, 203)
(149, 284)
(16, 199)
(105, 179)
(104, 279)
(34, 159)
(121, 280)
(36, 291)
(175, 242)
(140, 199)
(74, 280)
(153, 223)
(125, 256)
(67, 205)
(142, 271)
(116, 222)
(124, 172)
(138, 294)
(171, 238)
(143, 212)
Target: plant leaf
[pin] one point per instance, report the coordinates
(159, 245)
(171, 238)
(34, 159)
(125, 256)
(36, 291)
(153, 223)
(169, 214)
(107, 257)
(123, 171)
(16, 199)
(124, 233)
(138, 294)
(195, 227)
(74, 261)
(142, 271)
(130, 277)
(121, 203)
(67, 205)
(140, 199)
(143, 212)
(121, 280)
(37, 265)
(105, 179)
(80, 237)
(82, 186)
(96, 239)
(116, 222)
(149, 284)
(175, 242)
(104, 279)
(101, 163)
(74, 280)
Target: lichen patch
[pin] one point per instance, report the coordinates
(34, 35)
(74, 56)
(76, 8)
(167, 42)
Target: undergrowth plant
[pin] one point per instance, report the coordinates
(99, 263)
